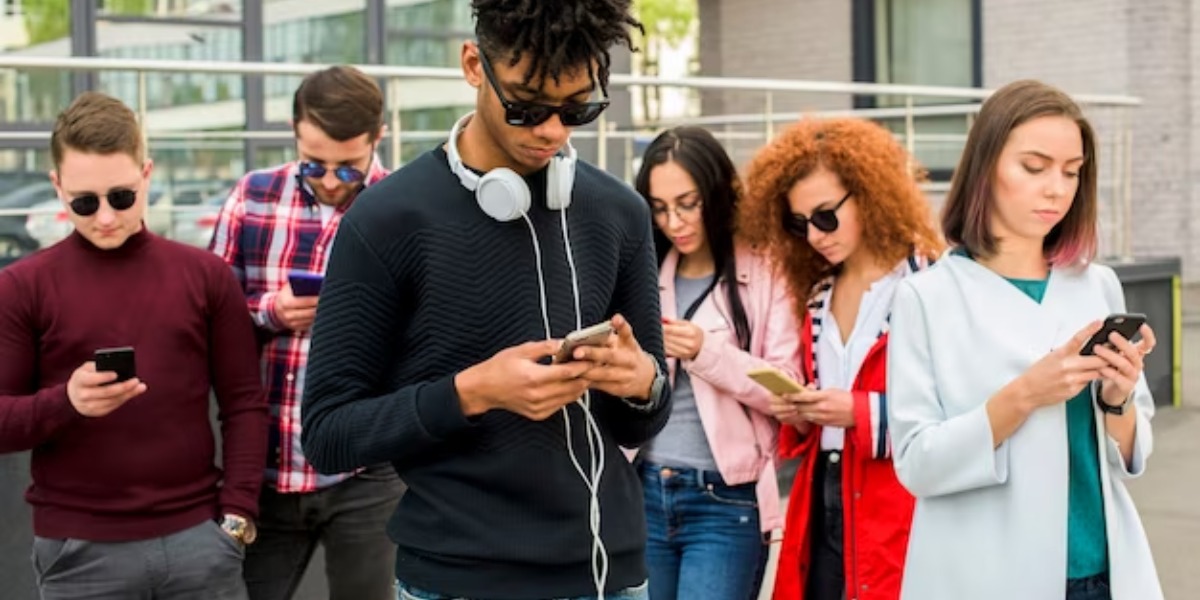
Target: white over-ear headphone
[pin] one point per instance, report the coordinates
(501, 192)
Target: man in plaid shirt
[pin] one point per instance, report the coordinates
(277, 222)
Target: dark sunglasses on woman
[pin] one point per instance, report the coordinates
(89, 204)
(824, 220)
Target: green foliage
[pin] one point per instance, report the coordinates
(668, 20)
(47, 20)
(129, 7)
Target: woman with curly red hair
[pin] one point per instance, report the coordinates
(838, 207)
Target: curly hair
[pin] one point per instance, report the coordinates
(896, 219)
(560, 36)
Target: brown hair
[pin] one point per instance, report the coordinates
(96, 123)
(870, 164)
(966, 217)
(342, 101)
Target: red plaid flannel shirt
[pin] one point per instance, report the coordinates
(269, 226)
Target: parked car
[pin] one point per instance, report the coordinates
(194, 224)
(15, 240)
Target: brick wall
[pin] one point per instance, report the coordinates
(776, 39)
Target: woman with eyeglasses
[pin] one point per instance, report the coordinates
(837, 204)
(1014, 427)
(709, 477)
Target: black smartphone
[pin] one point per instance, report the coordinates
(1126, 325)
(119, 360)
(305, 284)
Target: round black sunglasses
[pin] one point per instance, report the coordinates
(89, 204)
(824, 220)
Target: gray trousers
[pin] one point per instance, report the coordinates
(199, 563)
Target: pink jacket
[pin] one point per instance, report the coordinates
(734, 410)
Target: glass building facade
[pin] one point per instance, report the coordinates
(213, 108)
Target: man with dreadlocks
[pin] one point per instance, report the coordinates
(449, 288)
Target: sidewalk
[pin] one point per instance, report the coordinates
(1166, 496)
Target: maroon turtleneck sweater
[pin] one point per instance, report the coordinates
(148, 468)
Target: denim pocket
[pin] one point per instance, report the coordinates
(637, 592)
(743, 496)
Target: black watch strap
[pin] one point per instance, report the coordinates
(1109, 408)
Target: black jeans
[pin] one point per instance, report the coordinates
(827, 568)
(1089, 588)
(348, 519)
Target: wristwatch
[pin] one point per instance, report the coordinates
(1109, 408)
(240, 529)
(656, 388)
(660, 380)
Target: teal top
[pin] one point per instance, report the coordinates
(1087, 538)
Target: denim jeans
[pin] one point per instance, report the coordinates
(407, 592)
(1089, 588)
(704, 536)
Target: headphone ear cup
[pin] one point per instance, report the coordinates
(560, 179)
(503, 195)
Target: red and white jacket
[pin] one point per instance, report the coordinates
(877, 509)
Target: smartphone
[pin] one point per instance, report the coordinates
(305, 284)
(596, 335)
(774, 380)
(119, 360)
(1126, 325)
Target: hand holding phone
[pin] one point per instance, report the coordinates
(296, 310)
(96, 390)
(596, 335)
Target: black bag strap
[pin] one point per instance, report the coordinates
(691, 310)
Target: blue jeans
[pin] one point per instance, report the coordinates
(704, 536)
(407, 592)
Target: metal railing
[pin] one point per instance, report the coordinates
(754, 128)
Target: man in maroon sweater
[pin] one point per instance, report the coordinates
(127, 499)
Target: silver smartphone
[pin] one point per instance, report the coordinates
(596, 335)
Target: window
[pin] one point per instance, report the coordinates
(920, 42)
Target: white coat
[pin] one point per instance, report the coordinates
(992, 523)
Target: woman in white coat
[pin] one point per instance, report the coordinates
(1015, 445)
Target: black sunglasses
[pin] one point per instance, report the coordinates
(344, 173)
(824, 220)
(532, 114)
(88, 204)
